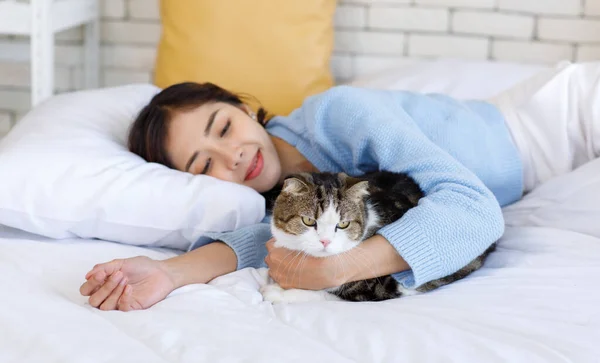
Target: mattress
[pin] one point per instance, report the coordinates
(536, 299)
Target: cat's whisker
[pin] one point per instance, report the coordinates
(366, 256)
(291, 261)
(302, 257)
(337, 265)
(353, 258)
(339, 262)
(286, 256)
(343, 266)
(369, 267)
(302, 262)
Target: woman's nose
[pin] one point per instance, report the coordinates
(235, 158)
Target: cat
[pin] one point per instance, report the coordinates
(325, 214)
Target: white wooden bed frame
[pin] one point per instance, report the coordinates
(40, 20)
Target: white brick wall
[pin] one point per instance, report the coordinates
(371, 35)
(492, 24)
(369, 42)
(407, 18)
(14, 74)
(531, 52)
(447, 46)
(351, 16)
(569, 30)
(485, 4)
(586, 53)
(365, 64)
(543, 7)
(113, 9)
(144, 9)
(129, 32)
(592, 7)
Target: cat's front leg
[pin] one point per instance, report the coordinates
(276, 294)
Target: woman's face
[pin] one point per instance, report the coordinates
(223, 141)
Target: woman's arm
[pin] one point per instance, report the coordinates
(201, 265)
(140, 282)
(373, 258)
(219, 253)
(361, 130)
(247, 243)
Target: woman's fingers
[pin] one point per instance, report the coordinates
(97, 276)
(111, 303)
(270, 243)
(103, 292)
(108, 268)
(127, 302)
(93, 283)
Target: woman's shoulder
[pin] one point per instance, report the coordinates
(341, 97)
(336, 103)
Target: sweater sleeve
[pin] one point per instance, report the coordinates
(248, 243)
(458, 218)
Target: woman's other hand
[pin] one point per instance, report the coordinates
(297, 270)
(127, 284)
(374, 257)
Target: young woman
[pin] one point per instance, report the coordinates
(470, 157)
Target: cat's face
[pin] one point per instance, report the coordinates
(320, 216)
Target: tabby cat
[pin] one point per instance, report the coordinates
(324, 214)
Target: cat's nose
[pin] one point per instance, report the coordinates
(325, 242)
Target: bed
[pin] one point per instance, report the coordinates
(535, 300)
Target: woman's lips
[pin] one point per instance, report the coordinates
(255, 167)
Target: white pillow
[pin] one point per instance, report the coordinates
(66, 172)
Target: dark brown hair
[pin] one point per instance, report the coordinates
(148, 133)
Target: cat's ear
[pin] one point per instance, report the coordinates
(358, 190)
(294, 185)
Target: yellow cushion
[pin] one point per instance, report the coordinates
(277, 51)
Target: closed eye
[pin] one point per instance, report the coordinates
(226, 128)
(207, 166)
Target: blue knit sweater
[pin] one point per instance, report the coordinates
(459, 152)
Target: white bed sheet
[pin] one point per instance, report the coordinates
(537, 299)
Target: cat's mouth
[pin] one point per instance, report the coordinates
(255, 167)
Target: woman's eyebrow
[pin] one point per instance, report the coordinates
(211, 120)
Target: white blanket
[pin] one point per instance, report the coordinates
(537, 299)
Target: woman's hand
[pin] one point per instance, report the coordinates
(140, 282)
(127, 284)
(374, 257)
(295, 269)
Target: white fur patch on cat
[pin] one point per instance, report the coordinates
(277, 295)
(407, 292)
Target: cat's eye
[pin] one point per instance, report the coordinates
(343, 225)
(308, 221)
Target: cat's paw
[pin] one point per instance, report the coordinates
(276, 295)
(273, 293)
